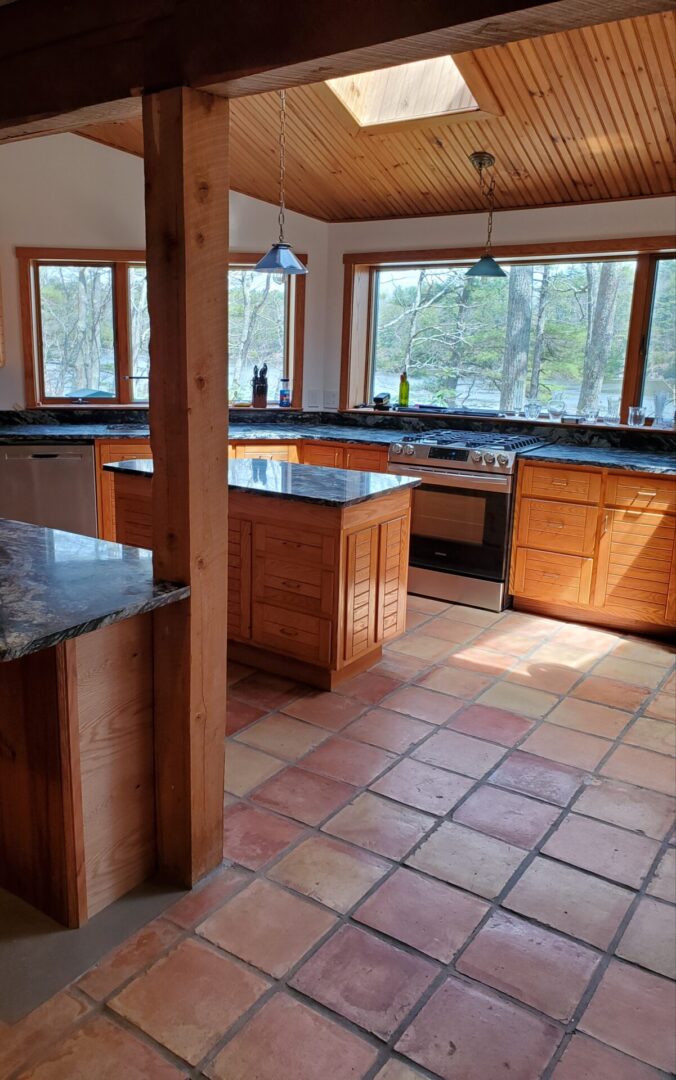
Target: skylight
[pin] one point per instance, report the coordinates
(417, 91)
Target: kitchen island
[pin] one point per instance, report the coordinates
(317, 565)
(77, 778)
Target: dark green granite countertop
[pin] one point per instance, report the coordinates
(605, 457)
(287, 480)
(56, 585)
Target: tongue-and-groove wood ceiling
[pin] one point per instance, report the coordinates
(586, 115)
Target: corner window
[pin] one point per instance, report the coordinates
(90, 330)
(548, 332)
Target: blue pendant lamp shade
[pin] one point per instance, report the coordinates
(280, 259)
(486, 267)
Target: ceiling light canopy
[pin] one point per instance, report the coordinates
(416, 91)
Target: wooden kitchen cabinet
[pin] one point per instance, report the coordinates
(331, 455)
(595, 544)
(345, 456)
(107, 450)
(366, 458)
(269, 451)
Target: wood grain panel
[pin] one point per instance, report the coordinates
(587, 115)
(115, 714)
(327, 454)
(545, 575)
(361, 590)
(239, 578)
(651, 492)
(106, 451)
(393, 578)
(637, 559)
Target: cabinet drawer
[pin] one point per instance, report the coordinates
(641, 493)
(303, 586)
(571, 485)
(325, 454)
(292, 632)
(366, 459)
(567, 528)
(547, 575)
(290, 545)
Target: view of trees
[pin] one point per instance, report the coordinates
(139, 332)
(256, 332)
(76, 315)
(660, 379)
(547, 330)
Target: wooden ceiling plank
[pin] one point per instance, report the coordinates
(656, 39)
(629, 102)
(565, 122)
(651, 120)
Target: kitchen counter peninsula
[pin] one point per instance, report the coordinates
(317, 564)
(77, 798)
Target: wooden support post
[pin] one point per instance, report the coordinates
(186, 154)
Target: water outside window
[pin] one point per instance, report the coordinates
(547, 331)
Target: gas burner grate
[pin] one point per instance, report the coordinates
(474, 439)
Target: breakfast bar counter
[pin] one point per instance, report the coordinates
(77, 798)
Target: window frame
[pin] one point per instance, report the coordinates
(121, 260)
(359, 301)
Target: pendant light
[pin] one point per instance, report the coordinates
(280, 259)
(486, 266)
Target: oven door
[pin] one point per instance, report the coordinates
(460, 521)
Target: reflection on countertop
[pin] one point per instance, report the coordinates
(605, 457)
(287, 480)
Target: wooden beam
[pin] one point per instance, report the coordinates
(186, 144)
(57, 59)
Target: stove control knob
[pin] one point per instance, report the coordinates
(503, 459)
(409, 450)
(489, 459)
(396, 448)
(476, 455)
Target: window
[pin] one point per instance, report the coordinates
(547, 330)
(659, 381)
(586, 332)
(90, 330)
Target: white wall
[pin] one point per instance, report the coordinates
(603, 221)
(66, 191)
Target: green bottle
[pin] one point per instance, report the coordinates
(403, 389)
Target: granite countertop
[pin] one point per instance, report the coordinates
(56, 585)
(302, 483)
(607, 457)
(81, 433)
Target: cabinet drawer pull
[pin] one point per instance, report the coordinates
(560, 483)
(555, 524)
(291, 543)
(291, 584)
(550, 577)
(288, 631)
(650, 494)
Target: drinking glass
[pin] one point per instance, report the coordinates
(613, 411)
(532, 409)
(661, 400)
(636, 416)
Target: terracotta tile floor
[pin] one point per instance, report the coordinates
(459, 866)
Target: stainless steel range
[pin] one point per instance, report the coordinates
(462, 512)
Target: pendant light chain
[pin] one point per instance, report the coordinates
(488, 192)
(282, 161)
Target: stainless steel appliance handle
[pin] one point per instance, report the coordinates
(452, 478)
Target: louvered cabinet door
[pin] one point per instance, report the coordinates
(637, 565)
(239, 579)
(392, 578)
(361, 591)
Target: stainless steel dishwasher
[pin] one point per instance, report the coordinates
(49, 484)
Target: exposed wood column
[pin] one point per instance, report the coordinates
(186, 157)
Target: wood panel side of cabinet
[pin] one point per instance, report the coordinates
(361, 591)
(239, 578)
(106, 451)
(392, 578)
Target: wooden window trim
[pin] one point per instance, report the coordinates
(29, 258)
(360, 267)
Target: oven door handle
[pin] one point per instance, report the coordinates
(453, 478)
